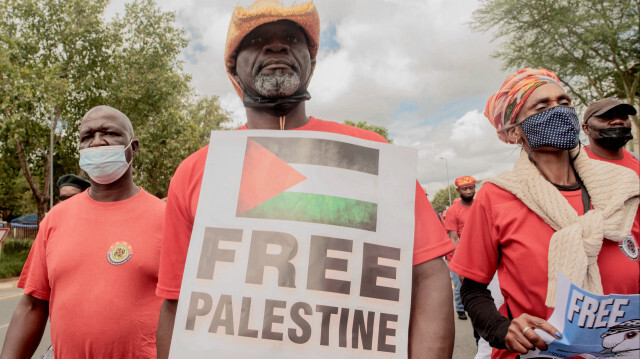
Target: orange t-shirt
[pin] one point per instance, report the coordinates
(500, 222)
(627, 160)
(456, 216)
(97, 265)
(430, 241)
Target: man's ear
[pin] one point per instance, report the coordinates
(135, 145)
(585, 129)
(313, 66)
(231, 64)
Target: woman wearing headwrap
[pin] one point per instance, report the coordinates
(556, 211)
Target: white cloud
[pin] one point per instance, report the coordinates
(468, 144)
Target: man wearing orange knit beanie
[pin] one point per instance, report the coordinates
(270, 56)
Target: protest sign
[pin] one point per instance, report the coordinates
(592, 326)
(302, 247)
(3, 233)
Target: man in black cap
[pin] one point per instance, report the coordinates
(70, 185)
(607, 124)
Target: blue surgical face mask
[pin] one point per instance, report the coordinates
(104, 164)
(556, 127)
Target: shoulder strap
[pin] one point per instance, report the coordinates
(586, 199)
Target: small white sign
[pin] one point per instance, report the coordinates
(3, 234)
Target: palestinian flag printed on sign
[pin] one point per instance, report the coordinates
(303, 180)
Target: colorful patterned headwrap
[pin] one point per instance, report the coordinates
(464, 181)
(503, 107)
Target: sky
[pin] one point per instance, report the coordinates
(413, 66)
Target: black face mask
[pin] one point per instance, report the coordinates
(613, 138)
(467, 198)
(274, 106)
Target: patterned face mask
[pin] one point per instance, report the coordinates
(556, 127)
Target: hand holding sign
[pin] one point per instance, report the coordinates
(522, 337)
(592, 326)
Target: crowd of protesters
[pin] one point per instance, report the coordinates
(563, 207)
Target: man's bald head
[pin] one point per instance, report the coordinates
(108, 112)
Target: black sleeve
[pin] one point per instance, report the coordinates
(486, 319)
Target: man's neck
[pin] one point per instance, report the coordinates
(605, 153)
(123, 188)
(555, 166)
(258, 119)
(466, 203)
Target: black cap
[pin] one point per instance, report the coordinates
(73, 181)
(603, 106)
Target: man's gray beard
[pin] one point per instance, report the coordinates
(277, 85)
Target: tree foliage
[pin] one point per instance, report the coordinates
(15, 196)
(60, 58)
(381, 130)
(440, 200)
(592, 45)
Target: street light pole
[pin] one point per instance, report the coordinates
(446, 165)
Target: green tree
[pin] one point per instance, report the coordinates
(170, 119)
(592, 45)
(381, 130)
(441, 199)
(59, 58)
(15, 196)
(168, 138)
(33, 86)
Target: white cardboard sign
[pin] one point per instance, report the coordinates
(302, 247)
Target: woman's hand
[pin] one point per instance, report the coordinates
(521, 336)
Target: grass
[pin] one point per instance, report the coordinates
(14, 254)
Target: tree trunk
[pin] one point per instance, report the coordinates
(41, 198)
(43, 206)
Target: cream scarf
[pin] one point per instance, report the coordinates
(574, 247)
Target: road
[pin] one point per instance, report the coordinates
(465, 345)
(9, 298)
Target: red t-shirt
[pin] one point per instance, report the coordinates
(430, 240)
(456, 216)
(627, 159)
(500, 222)
(100, 305)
